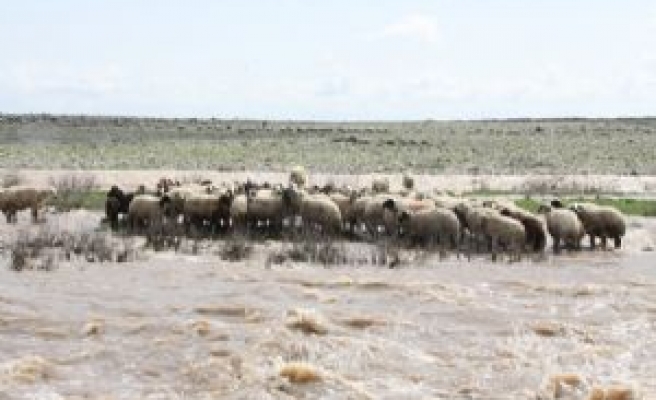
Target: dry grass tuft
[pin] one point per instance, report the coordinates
(236, 248)
(11, 178)
(361, 322)
(311, 249)
(93, 328)
(29, 370)
(201, 327)
(300, 373)
(617, 392)
(548, 329)
(306, 321)
(42, 249)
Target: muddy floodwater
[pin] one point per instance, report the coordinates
(180, 326)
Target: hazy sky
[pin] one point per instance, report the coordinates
(331, 59)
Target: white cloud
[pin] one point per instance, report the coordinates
(415, 26)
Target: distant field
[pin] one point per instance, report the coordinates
(572, 146)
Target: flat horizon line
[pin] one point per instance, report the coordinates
(571, 118)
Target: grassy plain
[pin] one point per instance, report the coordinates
(558, 146)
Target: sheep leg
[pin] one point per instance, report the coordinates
(35, 214)
(443, 244)
(556, 245)
(494, 250)
(592, 241)
(618, 242)
(603, 242)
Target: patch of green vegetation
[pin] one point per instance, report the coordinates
(528, 204)
(488, 193)
(636, 207)
(78, 199)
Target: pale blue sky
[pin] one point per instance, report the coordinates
(337, 59)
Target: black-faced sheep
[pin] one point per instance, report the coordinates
(471, 215)
(601, 221)
(316, 210)
(265, 209)
(147, 210)
(208, 210)
(117, 202)
(394, 206)
(431, 226)
(536, 235)
(563, 226)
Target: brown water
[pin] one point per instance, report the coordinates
(175, 326)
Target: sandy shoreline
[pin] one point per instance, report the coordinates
(640, 186)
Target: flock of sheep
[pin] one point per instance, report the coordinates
(373, 212)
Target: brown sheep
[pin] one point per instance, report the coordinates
(19, 198)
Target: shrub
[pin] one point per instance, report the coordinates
(72, 191)
(310, 249)
(164, 236)
(11, 178)
(41, 249)
(236, 248)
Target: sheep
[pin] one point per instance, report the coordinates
(180, 194)
(356, 215)
(19, 198)
(239, 211)
(213, 209)
(431, 225)
(345, 204)
(536, 236)
(601, 221)
(265, 206)
(374, 215)
(563, 224)
(147, 210)
(504, 231)
(298, 176)
(471, 214)
(316, 209)
(393, 207)
(117, 203)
